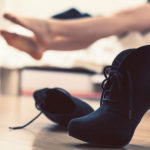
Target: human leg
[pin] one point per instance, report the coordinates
(35, 49)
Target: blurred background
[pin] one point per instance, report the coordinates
(21, 74)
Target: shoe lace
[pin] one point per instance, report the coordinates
(21, 127)
(38, 106)
(114, 77)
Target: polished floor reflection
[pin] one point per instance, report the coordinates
(45, 135)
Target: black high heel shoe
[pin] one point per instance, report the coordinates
(125, 99)
(60, 106)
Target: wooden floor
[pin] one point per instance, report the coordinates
(45, 135)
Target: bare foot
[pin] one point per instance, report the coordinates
(35, 46)
(24, 43)
(40, 27)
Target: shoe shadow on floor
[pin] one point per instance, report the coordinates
(56, 128)
(137, 147)
(87, 146)
(56, 137)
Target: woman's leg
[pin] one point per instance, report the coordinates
(94, 27)
(33, 47)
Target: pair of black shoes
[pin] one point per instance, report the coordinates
(124, 101)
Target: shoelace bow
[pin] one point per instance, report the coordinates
(113, 76)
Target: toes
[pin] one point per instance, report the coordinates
(24, 22)
(11, 38)
(23, 43)
(39, 27)
(12, 18)
(8, 36)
